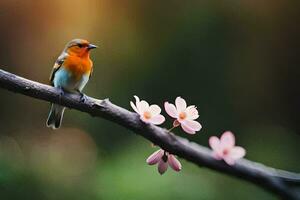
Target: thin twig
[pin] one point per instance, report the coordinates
(277, 181)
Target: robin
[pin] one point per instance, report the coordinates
(71, 72)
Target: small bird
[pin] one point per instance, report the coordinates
(70, 73)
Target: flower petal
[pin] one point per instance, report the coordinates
(216, 146)
(237, 152)
(154, 110)
(193, 125)
(192, 112)
(214, 143)
(158, 119)
(142, 106)
(227, 139)
(216, 155)
(187, 129)
(162, 167)
(229, 160)
(137, 99)
(174, 163)
(180, 104)
(155, 157)
(134, 107)
(171, 110)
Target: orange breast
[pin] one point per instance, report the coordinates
(78, 66)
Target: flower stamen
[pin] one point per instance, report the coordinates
(182, 115)
(165, 157)
(225, 151)
(147, 115)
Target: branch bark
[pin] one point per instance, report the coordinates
(279, 182)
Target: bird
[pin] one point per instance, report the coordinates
(71, 72)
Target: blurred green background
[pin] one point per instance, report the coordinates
(237, 60)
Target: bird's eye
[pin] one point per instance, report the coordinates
(80, 45)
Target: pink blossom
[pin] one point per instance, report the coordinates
(224, 148)
(185, 116)
(148, 113)
(164, 159)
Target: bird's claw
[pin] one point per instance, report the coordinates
(83, 97)
(61, 93)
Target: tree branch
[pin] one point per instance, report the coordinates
(279, 182)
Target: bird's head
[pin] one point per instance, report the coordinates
(79, 47)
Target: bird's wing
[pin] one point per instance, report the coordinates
(58, 63)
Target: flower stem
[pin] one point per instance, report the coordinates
(169, 130)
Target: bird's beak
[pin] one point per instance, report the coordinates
(91, 46)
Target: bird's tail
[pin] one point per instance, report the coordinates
(55, 116)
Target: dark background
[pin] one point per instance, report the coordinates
(237, 60)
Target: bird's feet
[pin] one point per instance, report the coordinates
(83, 97)
(61, 93)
